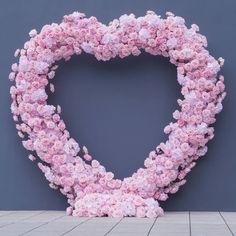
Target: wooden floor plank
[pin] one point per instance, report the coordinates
(172, 223)
(132, 226)
(4, 213)
(16, 216)
(43, 219)
(230, 220)
(208, 224)
(95, 227)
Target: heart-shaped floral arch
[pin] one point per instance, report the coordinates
(89, 188)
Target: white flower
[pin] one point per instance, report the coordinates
(23, 64)
(191, 96)
(181, 79)
(127, 19)
(144, 34)
(39, 94)
(214, 66)
(87, 47)
(171, 43)
(153, 19)
(203, 128)
(219, 107)
(33, 33)
(40, 67)
(221, 61)
(106, 38)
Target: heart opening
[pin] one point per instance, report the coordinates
(117, 108)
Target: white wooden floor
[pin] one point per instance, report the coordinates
(55, 223)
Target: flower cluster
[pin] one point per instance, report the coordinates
(89, 188)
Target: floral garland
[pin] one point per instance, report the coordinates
(89, 188)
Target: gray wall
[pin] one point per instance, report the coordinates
(119, 108)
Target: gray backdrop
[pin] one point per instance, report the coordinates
(119, 108)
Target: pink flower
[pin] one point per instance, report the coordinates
(151, 214)
(169, 164)
(32, 158)
(184, 147)
(144, 34)
(69, 211)
(171, 43)
(95, 164)
(87, 157)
